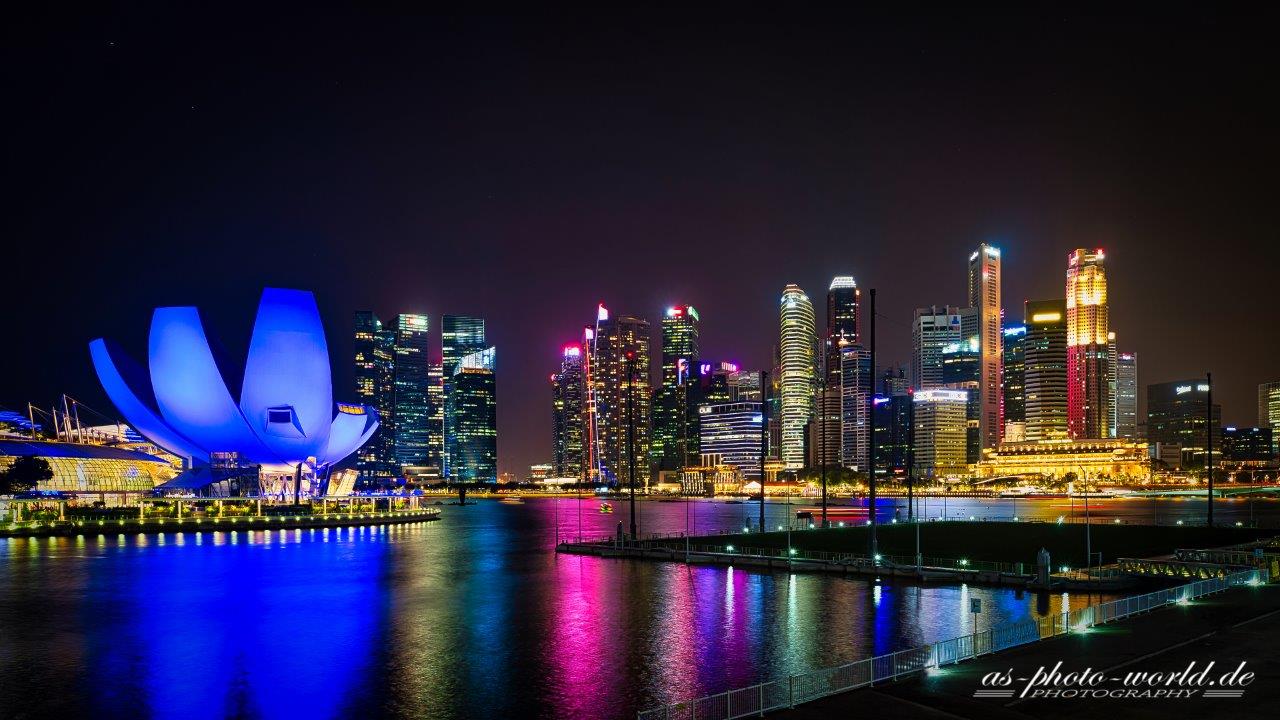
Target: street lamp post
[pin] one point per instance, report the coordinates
(764, 437)
(631, 436)
(1208, 440)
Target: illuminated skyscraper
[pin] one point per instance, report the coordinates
(569, 396)
(460, 336)
(1176, 415)
(622, 342)
(984, 298)
(855, 407)
(1126, 404)
(474, 456)
(933, 329)
(798, 345)
(961, 369)
(1013, 385)
(374, 375)
(732, 431)
(1045, 358)
(939, 432)
(412, 397)
(843, 299)
(675, 429)
(1269, 410)
(1088, 402)
(435, 427)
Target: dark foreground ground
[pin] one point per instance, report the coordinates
(1241, 625)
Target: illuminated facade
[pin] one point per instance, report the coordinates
(1247, 447)
(285, 419)
(621, 343)
(939, 427)
(855, 407)
(1177, 414)
(1126, 395)
(843, 300)
(90, 469)
(569, 415)
(732, 432)
(675, 429)
(374, 379)
(1013, 385)
(1088, 346)
(460, 336)
(984, 299)
(1101, 459)
(474, 455)
(1269, 411)
(961, 370)
(798, 381)
(891, 423)
(934, 328)
(1045, 373)
(412, 402)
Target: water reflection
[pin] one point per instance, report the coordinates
(471, 616)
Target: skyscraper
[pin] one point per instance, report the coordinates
(1088, 401)
(1269, 411)
(732, 431)
(412, 398)
(675, 431)
(568, 415)
(435, 425)
(474, 456)
(984, 298)
(891, 423)
(622, 343)
(934, 328)
(1176, 415)
(460, 336)
(961, 369)
(1126, 404)
(855, 407)
(939, 435)
(1045, 359)
(843, 299)
(374, 376)
(1014, 385)
(798, 344)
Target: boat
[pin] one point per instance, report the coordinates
(606, 508)
(511, 501)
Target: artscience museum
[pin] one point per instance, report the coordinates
(266, 427)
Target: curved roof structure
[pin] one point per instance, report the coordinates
(73, 450)
(284, 415)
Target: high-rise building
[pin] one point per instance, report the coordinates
(934, 328)
(1088, 401)
(855, 407)
(1269, 411)
(460, 336)
(891, 423)
(435, 426)
(732, 431)
(984, 298)
(675, 418)
(568, 415)
(961, 370)
(1126, 395)
(843, 299)
(798, 373)
(474, 455)
(893, 381)
(374, 376)
(1176, 415)
(412, 379)
(1248, 446)
(620, 379)
(939, 435)
(744, 385)
(1045, 374)
(1013, 385)
(826, 443)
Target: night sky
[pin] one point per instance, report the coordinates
(524, 169)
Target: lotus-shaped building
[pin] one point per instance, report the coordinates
(278, 414)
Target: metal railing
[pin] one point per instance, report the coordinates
(795, 689)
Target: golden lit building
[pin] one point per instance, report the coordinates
(1113, 459)
(1088, 346)
(81, 468)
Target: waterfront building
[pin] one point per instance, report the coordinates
(843, 300)
(855, 407)
(714, 475)
(1269, 411)
(569, 415)
(1013, 385)
(1247, 446)
(961, 370)
(933, 328)
(1045, 372)
(435, 422)
(285, 422)
(411, 396)
(540, 472)
(1126, 395)
(675, 411)
(374, 380)
(1088, 361)
(826, 441)
(1099, 459)
(984, 299)
(460, 336)
(622, 343)
(798, 344)
(731, 431)
(891, 423)
(97, 472)
(1176, 415)
(939, 436)
(474, 453)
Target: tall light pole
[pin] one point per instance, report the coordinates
(764, 437)
(822, 443)
(631, 436)
(1208, 440)
(871, 449)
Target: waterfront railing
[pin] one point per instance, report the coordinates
(795, 689)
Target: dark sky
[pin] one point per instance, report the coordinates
(524, 169)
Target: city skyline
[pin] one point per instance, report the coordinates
(531, 216)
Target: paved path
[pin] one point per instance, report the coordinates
(1237, 625)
